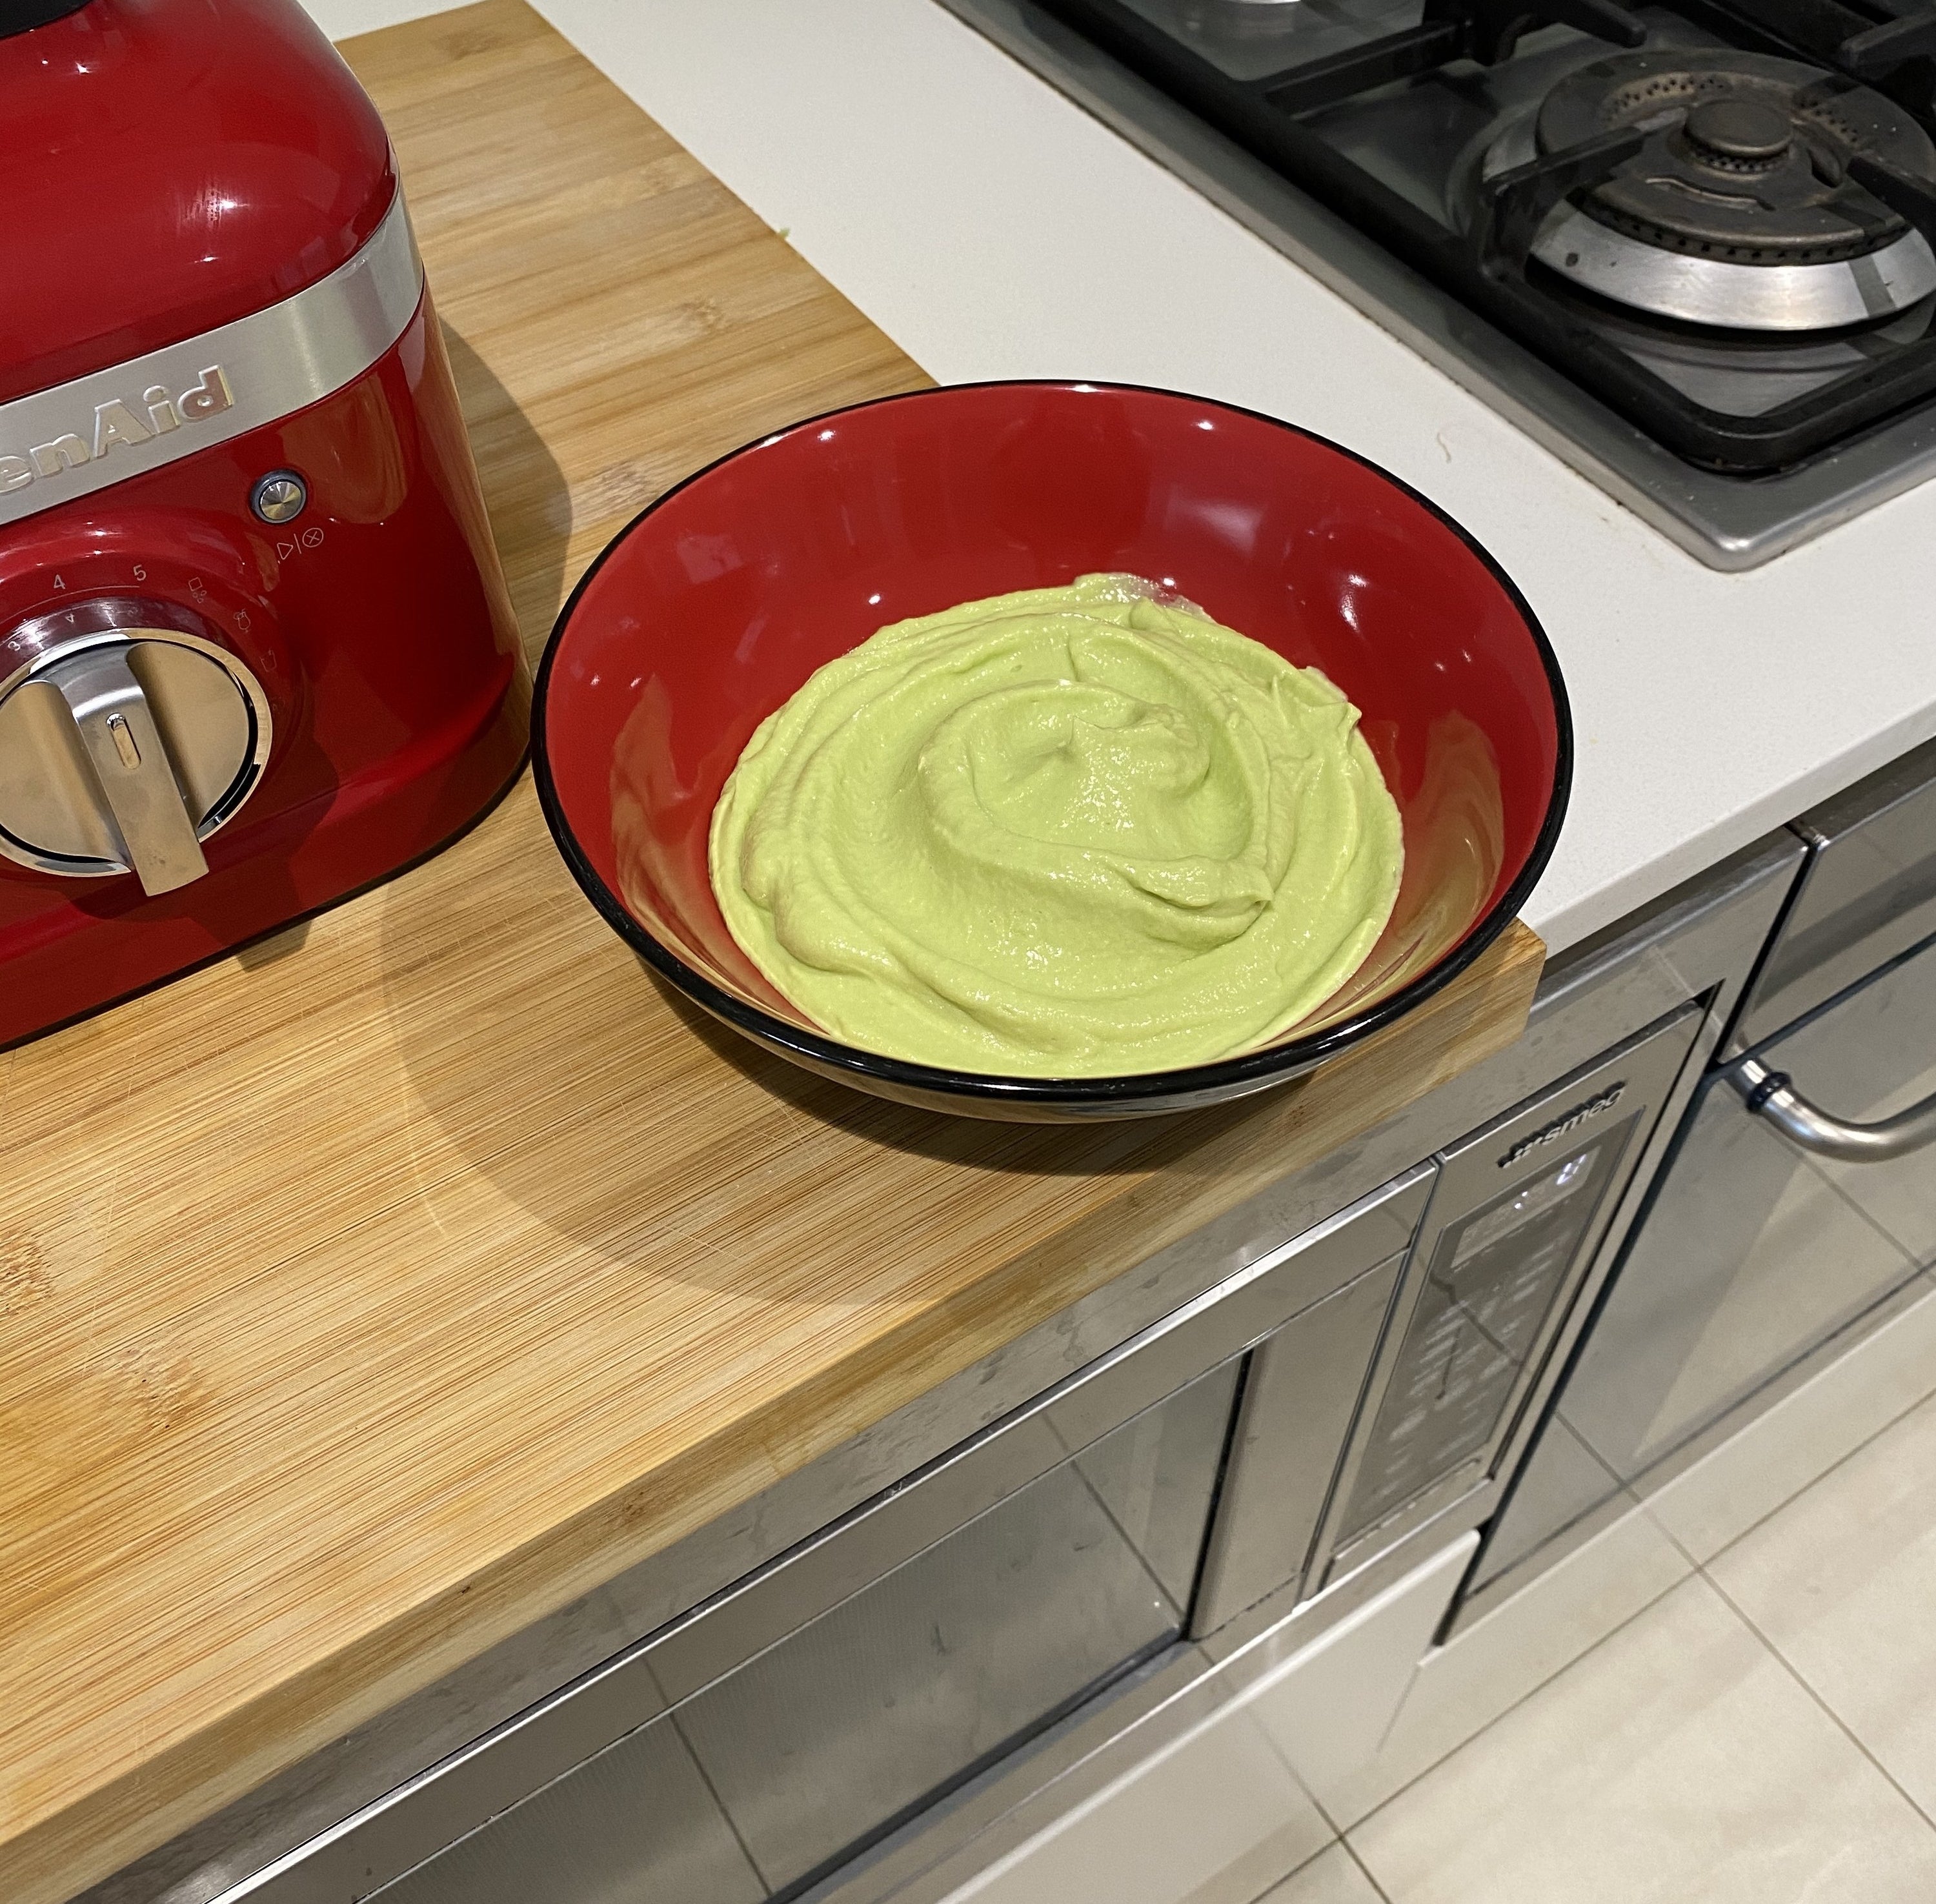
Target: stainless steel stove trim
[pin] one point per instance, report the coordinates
(1723, 522)
(74, 439)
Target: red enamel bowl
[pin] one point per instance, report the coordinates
(713, 607)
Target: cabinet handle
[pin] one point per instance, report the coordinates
(1770, 1094)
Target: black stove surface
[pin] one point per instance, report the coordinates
(1717, 220)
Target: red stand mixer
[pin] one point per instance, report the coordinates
(255, 650)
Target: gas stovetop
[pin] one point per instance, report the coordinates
(1691, 248)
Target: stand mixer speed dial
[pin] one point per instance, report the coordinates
(126, 739)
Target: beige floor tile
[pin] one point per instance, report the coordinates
(1678, 1761)
(1462, 1688)
(1332, 1876)
(1210, 1820)
(1336, 1699)
(1842, 1581)
(1770, 1460)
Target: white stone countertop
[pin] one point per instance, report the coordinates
(994, 229)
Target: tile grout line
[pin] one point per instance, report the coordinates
(1284, 1877)
(1834, 1718)
(1696, 1569)
(1340, 1843)
(1701, 1568)
(1365, 1870)
(1645, 1502)
(1505, 1712)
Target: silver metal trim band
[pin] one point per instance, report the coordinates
(1736, 297)
(75, 438)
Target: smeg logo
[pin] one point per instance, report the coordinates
(1604, 1101)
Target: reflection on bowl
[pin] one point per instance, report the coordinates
(716, 604)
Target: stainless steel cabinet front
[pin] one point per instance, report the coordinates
(1300, 1397)
(802, 1754)
(1755, 1252)
(876, 1707)
(634, 1824)
(1867, 896)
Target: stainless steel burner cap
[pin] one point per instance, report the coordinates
(1739, 134)
(1739, 211)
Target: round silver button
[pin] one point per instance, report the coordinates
(280, 497)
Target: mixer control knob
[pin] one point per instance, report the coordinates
(131, 765)
(125, 741)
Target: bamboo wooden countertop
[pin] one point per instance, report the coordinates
(368, 1295)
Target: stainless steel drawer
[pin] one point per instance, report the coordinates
(1866, 895)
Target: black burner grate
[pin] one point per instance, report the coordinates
(1486, 262)
(1889, 44)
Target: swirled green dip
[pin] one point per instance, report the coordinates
(1070, 832)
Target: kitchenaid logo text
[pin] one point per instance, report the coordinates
(1547, 1133)
(118, 425)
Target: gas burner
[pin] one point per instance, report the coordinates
(1691, 244)
(1738, 210)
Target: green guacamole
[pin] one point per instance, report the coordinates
(1072, 832)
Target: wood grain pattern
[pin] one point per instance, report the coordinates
(365, 1297)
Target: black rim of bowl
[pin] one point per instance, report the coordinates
(1228, 1076)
